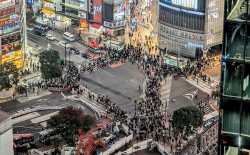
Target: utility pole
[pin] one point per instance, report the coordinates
(23, 20)
(65, 53)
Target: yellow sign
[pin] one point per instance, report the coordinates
(48, 11)
(16, 57)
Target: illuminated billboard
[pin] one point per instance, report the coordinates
(83, 5)
(192, 4)
(119, 10)
(96, 11)
(16, 57)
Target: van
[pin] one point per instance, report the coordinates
(68, 36)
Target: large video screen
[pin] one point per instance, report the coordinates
(191, 4)
(96, 11)
(83, 5)
(119, 10)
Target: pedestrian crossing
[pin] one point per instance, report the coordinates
(165, 91)
(200, 85)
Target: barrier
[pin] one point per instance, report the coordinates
(55, 89)
(143, 145)
(118, 145)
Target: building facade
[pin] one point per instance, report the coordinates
(114, 20)
(188, 27)
(6, 134)
(12, 32)
(234, 135)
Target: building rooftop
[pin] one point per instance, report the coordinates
(3, 116)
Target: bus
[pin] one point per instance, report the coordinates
(68, 36)
(23, 140)
(40, 29)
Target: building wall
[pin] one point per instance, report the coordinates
(6, 143)
(180, 41)
(234, 138)
(12, 21)
(214, 20)
(186, 31)
(6, 137)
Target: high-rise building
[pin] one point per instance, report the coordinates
(187, 27)
(234, 135)
(12, 32)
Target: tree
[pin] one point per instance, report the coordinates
(4, 81)
(186, 118)
(8, 75)
(68, 121)
(50, 64)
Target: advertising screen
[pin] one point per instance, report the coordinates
(192, 4)
(96, 11)
(83, 5)
(119, 10)
(108, 12)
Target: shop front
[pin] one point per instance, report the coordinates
(83, 26)
(114, 20)
(17, 57)
(52, 16)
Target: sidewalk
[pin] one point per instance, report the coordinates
(34, 96)
(36, 75)
(6, 95)
(203, 86)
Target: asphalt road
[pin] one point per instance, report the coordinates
(121, 84)
(144, 152)
(54, 99)
(179, 89)
(43, 42)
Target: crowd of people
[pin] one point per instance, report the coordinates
(147, 118)
(69, 79)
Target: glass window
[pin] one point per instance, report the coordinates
(232, 79)
(235, 41)
(246, 83)
(245, 119)
(248, 43)
(237, 12)
(231, 120)
(229, 150)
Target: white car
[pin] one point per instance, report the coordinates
(50, 37)
(30, 29)
(62, 43)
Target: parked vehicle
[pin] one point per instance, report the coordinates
(23, 140)
(84, 55)
(68, 36)
(74, 50)
(50, 37)
(64, 43)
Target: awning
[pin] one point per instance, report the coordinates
(48, 11)
(96, 26)
(83, 23)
